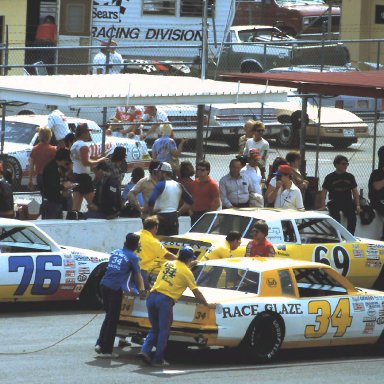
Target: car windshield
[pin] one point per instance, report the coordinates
(227, 278)
(219, 224)
(317, 282)
(22, 133)
(262, 34)
(22, 239)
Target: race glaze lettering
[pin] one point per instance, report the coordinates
(337, 257)
(252, 310)
(340, 318)
(40, 287)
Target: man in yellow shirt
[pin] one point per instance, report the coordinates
(150, 248)
(231, 244)
(174, 277)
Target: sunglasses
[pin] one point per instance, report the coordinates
(344, 163)
(201, 169)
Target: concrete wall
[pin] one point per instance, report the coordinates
(106, 235)
(95, 234)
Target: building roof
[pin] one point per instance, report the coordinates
(360, 83)
(133, 89)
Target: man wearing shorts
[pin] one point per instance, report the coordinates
(82, 164)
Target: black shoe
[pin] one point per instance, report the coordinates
(123, 343)
(145, 357)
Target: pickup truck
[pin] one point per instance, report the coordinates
(258, 48)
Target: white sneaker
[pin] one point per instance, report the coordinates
(108, 355)
(98, 348)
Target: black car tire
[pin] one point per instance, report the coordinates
(91, 294)
(13, 165)
(342, 143)
(288, 135)
(264, 338)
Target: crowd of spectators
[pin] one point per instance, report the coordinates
(63, 173)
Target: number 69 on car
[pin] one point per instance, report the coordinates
(267, 304)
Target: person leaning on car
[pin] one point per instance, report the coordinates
(224, 251)
(150, 247)
(343, 194)
(174, 277)
(122, 264)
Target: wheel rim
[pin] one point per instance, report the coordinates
(285, 135)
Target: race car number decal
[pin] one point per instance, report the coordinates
(42, 275)
(339, 319)
(337, 257)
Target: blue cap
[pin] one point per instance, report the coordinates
(186, 253)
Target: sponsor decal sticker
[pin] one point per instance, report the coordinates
(358, 307)
(272, 283)
(69, 264)
(70, 273)
(358, 253)
(369, 327)
(82, 278)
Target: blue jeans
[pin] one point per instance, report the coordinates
(160, 313)
(145, 276)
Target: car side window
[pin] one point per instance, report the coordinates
(22, 239)
(286, 283)
(317, 282)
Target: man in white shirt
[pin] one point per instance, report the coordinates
(259, 143)
(288, 195)
(235, 188)
(59, 126)
(154, 115)
(253, 172)
(115, 60)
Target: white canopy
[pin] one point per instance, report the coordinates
(113, 90)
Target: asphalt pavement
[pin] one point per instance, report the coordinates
(53, 343)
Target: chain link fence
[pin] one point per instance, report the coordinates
(333, 126)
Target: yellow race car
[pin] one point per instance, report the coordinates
(263, 305)
(301, 235)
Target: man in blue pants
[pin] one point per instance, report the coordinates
(174, 277)
(122, 264)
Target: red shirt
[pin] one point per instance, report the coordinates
(187, 183)
(263, 249)
(203, 194)
(47, 32)
(42, 154)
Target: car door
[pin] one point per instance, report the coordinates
(31, 267)
(330, 314)
(323, 240)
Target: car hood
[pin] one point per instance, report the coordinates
(93, 256)
(313, 10)
(15, 147)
